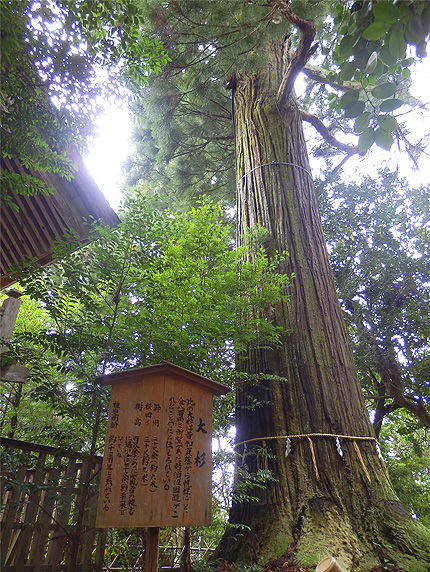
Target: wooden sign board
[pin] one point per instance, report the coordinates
(157, 464)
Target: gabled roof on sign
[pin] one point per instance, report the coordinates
(137, 374)
(28, 234)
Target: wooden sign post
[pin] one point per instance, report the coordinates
(157, 464)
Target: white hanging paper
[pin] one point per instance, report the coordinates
(378, 450)
(287, 446)
(338, 447)
(244, 452)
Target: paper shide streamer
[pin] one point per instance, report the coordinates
(339, 447)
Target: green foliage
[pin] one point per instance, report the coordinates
(54, 52)
(20, 185)
(183, 135)
(378, 239)
(160, 286)
(405, 445)
(184, 145)
(371, 52)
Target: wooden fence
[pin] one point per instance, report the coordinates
(48, 509)
(47, 517)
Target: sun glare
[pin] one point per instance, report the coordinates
(109, 149)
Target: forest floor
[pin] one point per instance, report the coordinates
(288, 563)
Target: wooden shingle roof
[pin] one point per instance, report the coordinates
(27, 234)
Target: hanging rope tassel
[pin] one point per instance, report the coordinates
(311, 445)
(386, 470)
(378, 450)
(360, 458)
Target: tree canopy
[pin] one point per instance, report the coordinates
(58, 60)
(183, 126)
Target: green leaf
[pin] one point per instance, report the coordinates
(383, 139)
(376, 31)
(385, 11)
(387, 122)
(390, 104)
(355, 109)
(397, 44)
(366, 140)
(345, 45)
(386, 56)
(371, 62)
(384, 90)
(348, 98)
(416, 28)
(362, 122)
(348, 70)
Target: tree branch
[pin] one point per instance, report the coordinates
(301, 55)
(319, 74)
(327, 135)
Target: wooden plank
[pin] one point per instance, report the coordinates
(27, 446)
(31, 513)
(14, 373)
(81, 534)
(66, 207)
(170, 370)
(186, 552)
(100, 550)
(29, 211)
(60, 539)
(44, 519)
(32, 232)
(11, 235)
(18, 226)
(151, 549)
(8, 315)
(89, 522)
(8, 518)
(51, 212)
(26, 531)
(7, 260)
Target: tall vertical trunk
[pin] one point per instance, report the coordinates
(309, 385)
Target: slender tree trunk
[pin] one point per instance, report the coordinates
(329, 505)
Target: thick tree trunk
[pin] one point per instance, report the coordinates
(344, 507)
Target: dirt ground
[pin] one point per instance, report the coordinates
(288, 563)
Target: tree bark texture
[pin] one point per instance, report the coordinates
(344, 507)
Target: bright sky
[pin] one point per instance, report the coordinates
(112, 145)
(109, 150)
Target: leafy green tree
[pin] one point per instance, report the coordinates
(194, 136)
(379, 251)
(58, 51)
(157, 287)
(405, 445)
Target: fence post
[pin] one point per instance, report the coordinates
(152, 547)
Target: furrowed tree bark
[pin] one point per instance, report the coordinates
(344, 507)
